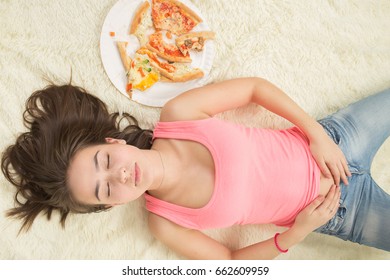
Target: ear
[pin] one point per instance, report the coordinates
(115, 141)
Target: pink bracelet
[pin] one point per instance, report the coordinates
(277, 245)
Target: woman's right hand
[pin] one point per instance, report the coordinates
(318, 212)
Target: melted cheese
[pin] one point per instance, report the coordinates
(141, 74)
(168, 16)
(147, 82)
(145, 28)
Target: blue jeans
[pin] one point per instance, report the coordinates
(359, 130)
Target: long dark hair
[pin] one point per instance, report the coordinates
(62, 119)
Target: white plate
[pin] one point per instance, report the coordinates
(118, 20)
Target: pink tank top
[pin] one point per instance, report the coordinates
(261, 175)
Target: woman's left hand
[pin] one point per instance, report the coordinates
(330, 158)
(319, 211)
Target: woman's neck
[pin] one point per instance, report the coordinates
(167, 171)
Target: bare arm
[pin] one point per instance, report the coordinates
(215, 98)
(193, 244)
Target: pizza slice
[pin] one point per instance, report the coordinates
(141, 74)
(142, 23)
(126, 60)
(193, 41)
(184, 72)
(173, 72)
(174, 16)
(169, 52)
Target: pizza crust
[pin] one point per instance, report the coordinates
(189, 74)
(126, 60)
(139, 14)
(190, 12)
(180, 22)
(205, 34)
(141, 23)
(183, 73)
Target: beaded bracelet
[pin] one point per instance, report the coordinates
(277, 245)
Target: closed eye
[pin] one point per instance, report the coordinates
(108, 183)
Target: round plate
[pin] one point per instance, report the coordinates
(118, 20)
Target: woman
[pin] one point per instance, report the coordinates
(198, 172)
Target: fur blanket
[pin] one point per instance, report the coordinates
(324, 54)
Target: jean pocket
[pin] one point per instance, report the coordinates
(329, 127)
(333, 226)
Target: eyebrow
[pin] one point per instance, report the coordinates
(97, 169)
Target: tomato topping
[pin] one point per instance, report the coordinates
(156, 41)
(141, 72)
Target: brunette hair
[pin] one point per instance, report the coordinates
(62, 119)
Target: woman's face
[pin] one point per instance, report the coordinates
(111, 174)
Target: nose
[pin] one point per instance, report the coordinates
(123, 175)
(119, 176)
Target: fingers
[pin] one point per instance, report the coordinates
(335, 203)
(331, 171)
(339, 172)
(315, 204)
(332, 202)
(346, 168)
(324, 169)
(320, 210)
(332, 163)
(344, 171)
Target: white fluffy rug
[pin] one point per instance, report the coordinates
(324, 54)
